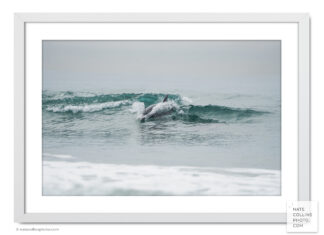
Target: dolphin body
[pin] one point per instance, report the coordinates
(149, 114)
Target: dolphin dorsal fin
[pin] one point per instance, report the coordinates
(165, 98)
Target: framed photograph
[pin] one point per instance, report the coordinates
(160, 118)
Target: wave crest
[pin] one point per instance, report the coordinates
(85, 108)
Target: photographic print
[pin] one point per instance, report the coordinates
(161, 117)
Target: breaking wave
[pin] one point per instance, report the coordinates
(179, 108)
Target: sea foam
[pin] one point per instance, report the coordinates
(137, 108)
(59, 156)
(84, 178)
(86, 107)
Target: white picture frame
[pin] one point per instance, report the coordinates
(303, 194)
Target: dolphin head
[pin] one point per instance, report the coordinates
(165, 98)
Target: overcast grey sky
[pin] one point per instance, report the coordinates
(167, 65)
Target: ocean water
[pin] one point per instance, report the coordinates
(99, 143)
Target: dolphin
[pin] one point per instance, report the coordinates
(149, 114)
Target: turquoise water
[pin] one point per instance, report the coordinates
(94, 143)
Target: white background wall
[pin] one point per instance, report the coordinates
(7, 8)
